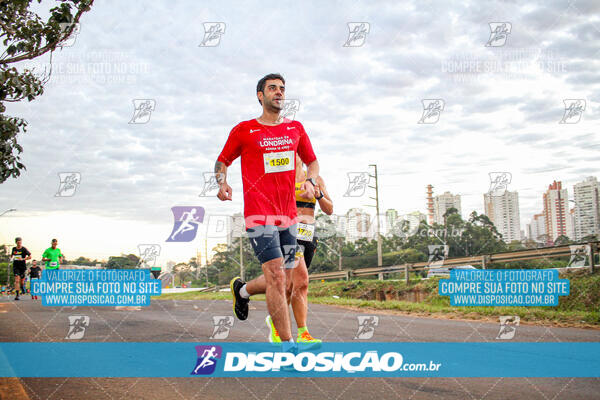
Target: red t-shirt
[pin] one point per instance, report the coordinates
(268, 168)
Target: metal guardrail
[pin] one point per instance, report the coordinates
(483, 260)
(331, 275)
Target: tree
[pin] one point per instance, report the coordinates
(184, 271)
(562, 240)
(83, 261)
(515, 245)
(123, 261)
(589, 238)
(25, 36)
(226, 262)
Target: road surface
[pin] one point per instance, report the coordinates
(191, 321)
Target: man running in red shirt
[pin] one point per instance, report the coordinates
(268, 147)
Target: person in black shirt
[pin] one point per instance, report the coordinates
(35, 272)
(19, 256)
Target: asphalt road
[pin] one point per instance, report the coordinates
(192, 321)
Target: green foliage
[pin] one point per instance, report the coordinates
(25, 36)
(472, 237)
(226, 262)
(4, 270)
(84, 261)
(476, 236)
(129, 261)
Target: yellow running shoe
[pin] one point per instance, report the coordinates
(306, 341)
(273, 334)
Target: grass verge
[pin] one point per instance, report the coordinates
(579, 309)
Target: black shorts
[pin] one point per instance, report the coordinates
(307, 250)
(19, 270)
(270, 242)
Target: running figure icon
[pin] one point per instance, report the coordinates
(207, 359)
(186, 222)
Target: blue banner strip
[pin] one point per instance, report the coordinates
(182, 359)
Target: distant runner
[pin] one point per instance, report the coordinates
(35, 273)
(19, 256)
(53, 256)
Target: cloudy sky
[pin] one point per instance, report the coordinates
(360, 104)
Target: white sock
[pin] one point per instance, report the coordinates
(244, 293)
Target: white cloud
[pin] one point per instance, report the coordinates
(360, 106)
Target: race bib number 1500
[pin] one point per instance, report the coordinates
(279, 162)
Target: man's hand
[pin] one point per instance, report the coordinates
(225, 192)
(308, 189)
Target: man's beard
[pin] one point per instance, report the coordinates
(275, 105)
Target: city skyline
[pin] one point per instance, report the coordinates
(218, 231)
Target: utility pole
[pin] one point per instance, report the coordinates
(206, 259)
(198, 262)
(376, 198)
(341, 241)
(242, 257)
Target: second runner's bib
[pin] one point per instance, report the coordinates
(305, 232)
